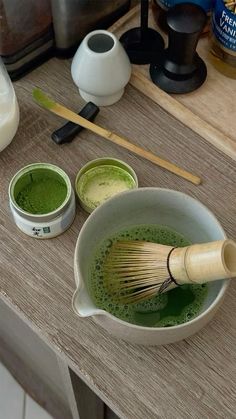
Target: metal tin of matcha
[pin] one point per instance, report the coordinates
(102, 178)
(42, 200)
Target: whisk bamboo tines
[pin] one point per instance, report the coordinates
(137, 270)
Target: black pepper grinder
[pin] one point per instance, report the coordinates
(142, 43)
(180, 69)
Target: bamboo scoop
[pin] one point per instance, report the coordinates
(137, 270)
(69, 115)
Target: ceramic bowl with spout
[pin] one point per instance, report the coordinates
(176, 210)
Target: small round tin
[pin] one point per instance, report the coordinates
(37, 222)
(100, 179)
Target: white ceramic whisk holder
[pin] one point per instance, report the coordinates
(101, 68)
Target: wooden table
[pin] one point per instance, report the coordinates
(195, 378)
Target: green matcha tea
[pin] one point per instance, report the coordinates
(168, 309)
(42, 196)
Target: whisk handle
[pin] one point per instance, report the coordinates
(204, 262)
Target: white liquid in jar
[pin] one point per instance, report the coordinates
(9, 111)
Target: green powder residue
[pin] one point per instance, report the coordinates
(168, 309)
(42, 99)
(101, 183)
(42, 196)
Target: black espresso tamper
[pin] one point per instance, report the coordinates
(143, 43)
(180, 69)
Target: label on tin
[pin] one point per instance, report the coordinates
(224, 23)
(207, 5)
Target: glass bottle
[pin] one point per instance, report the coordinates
(223, 37)
(9, 111)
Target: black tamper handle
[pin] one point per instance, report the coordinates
(180, 69)
(185, 23)
(67, 132)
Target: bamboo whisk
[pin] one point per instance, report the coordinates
(137, 270)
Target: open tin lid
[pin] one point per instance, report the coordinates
(102, 178)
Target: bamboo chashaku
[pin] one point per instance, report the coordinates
(137, 270)
(43, 100)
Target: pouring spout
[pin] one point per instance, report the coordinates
(82, 304)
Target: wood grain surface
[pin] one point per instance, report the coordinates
(195, 378)
(208, 110)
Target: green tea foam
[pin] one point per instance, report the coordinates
(169, 309)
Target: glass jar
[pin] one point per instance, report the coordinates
(223, 38)
(9, 111)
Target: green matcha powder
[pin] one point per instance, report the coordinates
(42, 196)
(168, 309)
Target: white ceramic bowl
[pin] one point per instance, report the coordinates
(146, 206)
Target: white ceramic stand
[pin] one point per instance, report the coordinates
(101, 68)
(102, 100)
